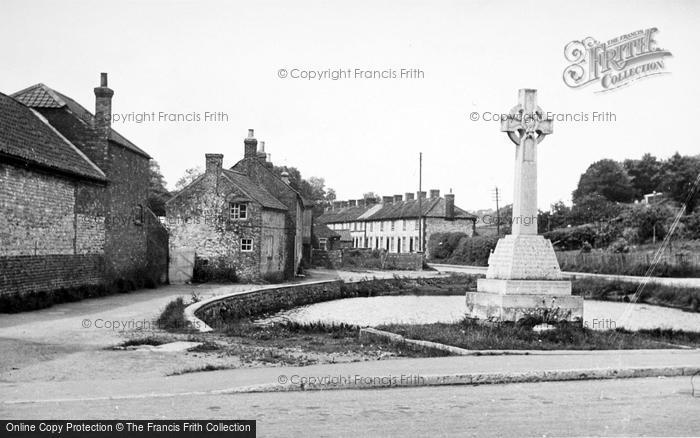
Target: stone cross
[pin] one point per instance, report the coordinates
(526, 127)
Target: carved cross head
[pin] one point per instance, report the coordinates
(526, 119)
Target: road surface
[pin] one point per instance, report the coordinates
(631, 407)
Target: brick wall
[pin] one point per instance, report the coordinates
(38, 215)
(49, 272)
(50, 236)
(125, 239)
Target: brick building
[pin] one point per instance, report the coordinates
(247, 217)
(73, 196)
(393, 224)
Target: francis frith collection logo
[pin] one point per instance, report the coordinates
(615, 63)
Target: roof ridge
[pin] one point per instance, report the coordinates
(68, 142)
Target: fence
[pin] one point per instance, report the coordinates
(668, 264)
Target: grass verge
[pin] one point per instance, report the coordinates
(471, 335)
(661, 295)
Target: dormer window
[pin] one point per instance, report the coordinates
(238, 210)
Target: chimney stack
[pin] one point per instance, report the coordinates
(387, 199)
(214, 163)
(343, 204)
(361, 202)
(434, 194)
(449, 206)
(103, 110)
(398, 198)
(370, 201)
(336, 205)
(409, 196)
(251, 145)
(420, 195)
(352, 203)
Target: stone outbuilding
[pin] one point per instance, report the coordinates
(246, 218)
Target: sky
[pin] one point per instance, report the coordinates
(363, 134)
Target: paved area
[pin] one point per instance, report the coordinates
(633, 407)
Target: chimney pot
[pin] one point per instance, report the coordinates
(285, 176)
(251, 133)
(103, 79)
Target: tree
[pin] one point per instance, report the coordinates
(190, 175)
(313, 189)
(606, 178)
(593, 208)
(679, 180)
(371, 195)
(645, 174)
(157, 193)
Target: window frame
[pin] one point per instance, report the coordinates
(233, 206)
(245, 244)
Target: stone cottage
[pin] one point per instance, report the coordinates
(246, 218)
(73, 195)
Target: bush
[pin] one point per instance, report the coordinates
(442, 245)
(572, 238)
(173, 317)
(458, 248)
(218, 270)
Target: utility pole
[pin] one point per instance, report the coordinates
(420, 202)
(495, 196)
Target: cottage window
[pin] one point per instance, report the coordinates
(238, 210)
(323, 243)
(246, 245)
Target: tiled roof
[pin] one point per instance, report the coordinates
(392, 211)
(27, 136)
(322, 231)
(42, 96)
(255, 191)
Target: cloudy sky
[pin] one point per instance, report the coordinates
(192, 57)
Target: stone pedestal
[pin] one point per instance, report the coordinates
(523, 280)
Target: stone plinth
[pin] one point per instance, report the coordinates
(523, 279)
(524, 257)
(512, 307)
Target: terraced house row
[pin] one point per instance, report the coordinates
(398, 224)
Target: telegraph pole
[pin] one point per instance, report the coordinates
(495, 196)
(420, 202)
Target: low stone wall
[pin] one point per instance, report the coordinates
(374, 259)
(266, 300)
(228, 308)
